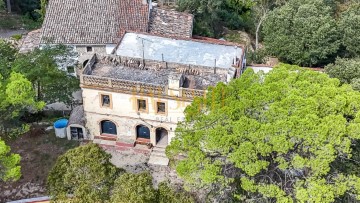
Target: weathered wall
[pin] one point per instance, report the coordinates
(81, 49)
(124, 113)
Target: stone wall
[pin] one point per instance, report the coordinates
(81, 49)
(125, 115)
(170, 23)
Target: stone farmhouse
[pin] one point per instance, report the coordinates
(141, 68)
(96, 26)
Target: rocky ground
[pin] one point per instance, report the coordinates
(38, 150)
(135, 162)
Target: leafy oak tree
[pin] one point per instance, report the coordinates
(84, 172)
(350, 27)
(133, 188)
(9, 164)
(42, 68)
(271, 137)
(346, 70)
(212, 15)
(302, 32)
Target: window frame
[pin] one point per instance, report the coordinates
(89, 47)
(101, 95)
(146, 110)
(157, 107)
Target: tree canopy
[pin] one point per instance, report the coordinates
(133, 188)
(302, 33)
(346, 70)
(278, 137)
(16, 95)
(56, 85)
(9, 164)
(84, 172)
(350, 28)
(212, 15)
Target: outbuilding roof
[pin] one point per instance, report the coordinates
(92, 21)
(77, 116)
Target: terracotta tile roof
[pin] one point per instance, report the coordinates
(92, 21)
(31, 41)
(170, 23)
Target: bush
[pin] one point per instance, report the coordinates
(84, 172)
(16, 37)
(134, 188)
(166, 194)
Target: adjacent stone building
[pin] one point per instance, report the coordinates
(96, 26)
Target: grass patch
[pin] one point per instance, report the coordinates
(60, 142)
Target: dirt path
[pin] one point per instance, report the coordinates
(5, 34)
(134, 162)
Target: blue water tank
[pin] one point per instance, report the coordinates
(62, 123)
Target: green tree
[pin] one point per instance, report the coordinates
(212, 15)
(166, 194)
(16, 97)
(350, 28)
(302, 32)
(9, 164)
(271, 137)
(84, 172)
(133, 188)
(346, 70)
(41, 67)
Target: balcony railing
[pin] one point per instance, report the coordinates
(133, 87)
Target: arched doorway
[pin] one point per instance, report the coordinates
(161, 137)
(142, 132)
(85, 62)
(108, 127)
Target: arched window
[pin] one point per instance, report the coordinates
(85, 62)
(108, 127)
(142, 132)
(161, 137)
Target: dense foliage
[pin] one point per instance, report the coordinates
(346, 70)
(133, 188)
(9, 164)
(212, 15)
(56, 85)
(276, 137)
(302, 33)
(84, 172)
(350, 29)
(16, 95)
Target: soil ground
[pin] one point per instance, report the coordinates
(39, 151)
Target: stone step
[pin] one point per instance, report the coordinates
(159, 149)
(155, 160)
(104, 142)
(160, 154)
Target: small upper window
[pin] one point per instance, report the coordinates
(70, 69)
(161, 107)
(141, 105)
(105, 100)
(89, 49)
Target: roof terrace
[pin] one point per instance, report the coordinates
(118, 73)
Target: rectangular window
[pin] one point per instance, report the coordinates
(89, 49)
(70, 69)
(141, 104)
(161, 107)
(105, 99)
